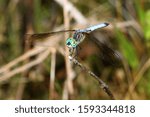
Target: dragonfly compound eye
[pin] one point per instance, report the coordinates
(69, 42)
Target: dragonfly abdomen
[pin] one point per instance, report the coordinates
(98, 26)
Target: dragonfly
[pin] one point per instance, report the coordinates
(78, 36)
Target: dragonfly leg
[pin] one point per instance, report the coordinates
(74, 51)
(77, 48)
(71, 51)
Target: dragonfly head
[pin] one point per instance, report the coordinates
(71, 43)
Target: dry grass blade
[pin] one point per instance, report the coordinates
(137, 78)
(73, 11)
(52, 73)
(69, 85)
(25, 56)
(25, 67)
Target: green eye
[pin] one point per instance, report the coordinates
(70, 42)
(74, 44)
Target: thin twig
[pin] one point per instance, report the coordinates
(35, 51)
(74, 12)
(68, 65)
(102, 84)
(28, 54)
(25, 67)
(123, 26)
(52, 73)
(65, 91)
(138, 77)
(128, 16)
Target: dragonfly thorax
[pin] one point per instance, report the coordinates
(78, 37)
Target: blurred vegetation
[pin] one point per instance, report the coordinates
(19, 17)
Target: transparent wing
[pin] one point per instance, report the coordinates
(107, 54)
(40, 36)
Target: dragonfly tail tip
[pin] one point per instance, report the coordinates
(106, 24)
